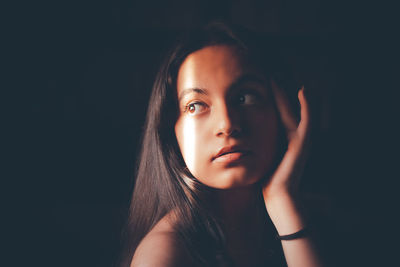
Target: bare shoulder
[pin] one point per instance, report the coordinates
(160, 247)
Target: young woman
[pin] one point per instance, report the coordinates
(221, 159)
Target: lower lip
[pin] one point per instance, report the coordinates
(230, 157)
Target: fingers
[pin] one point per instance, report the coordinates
(288, 173)
(288, 119)
(304, 125)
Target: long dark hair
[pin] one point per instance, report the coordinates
(163, 183)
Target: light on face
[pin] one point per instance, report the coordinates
(189, 141)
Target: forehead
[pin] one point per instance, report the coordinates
(210, 67)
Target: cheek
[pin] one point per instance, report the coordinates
(192, 142)
(264, 129)
(267, 129)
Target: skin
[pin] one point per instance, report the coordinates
(234, 107)
(223, 114)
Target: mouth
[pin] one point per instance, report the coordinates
(230, 154)
(230, 157)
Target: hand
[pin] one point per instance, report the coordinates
(285, 180)
(279, 192)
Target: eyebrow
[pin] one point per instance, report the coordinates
(192, 90)
(248, 77)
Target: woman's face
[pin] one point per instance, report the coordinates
(227, 124)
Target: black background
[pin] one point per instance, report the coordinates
(82, 74)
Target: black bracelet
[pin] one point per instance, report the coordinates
(296, 235)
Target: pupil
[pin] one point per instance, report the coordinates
(191, 108)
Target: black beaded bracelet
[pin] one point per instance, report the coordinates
(296, 235)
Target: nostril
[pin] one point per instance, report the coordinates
(236, 131)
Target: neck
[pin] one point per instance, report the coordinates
(236, 208)
(243, 217)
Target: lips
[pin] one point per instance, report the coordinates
(230, 153)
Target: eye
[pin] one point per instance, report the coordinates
(195, 108)
(248, 99)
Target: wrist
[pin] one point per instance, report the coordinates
(296, 235)
(285, 214)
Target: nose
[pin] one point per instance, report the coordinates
(227, 121)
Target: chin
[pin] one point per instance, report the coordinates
(230, 181)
